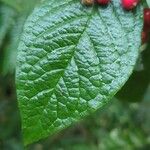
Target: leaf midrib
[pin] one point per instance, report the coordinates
(86, 26)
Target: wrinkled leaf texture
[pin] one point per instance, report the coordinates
(72, 60)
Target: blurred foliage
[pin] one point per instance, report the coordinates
(6, 21)
(11, 25)
(9, 58)
(122, 125)
(139, 81)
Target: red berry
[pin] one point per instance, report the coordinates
(129, 4)
(103, 2)
(144, 37)
(147, 17)
(146, 27)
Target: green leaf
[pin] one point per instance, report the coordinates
(16, 4)
(7, 20)
(9, 61)
(7, 17)
(148, 3)
(20, 5)
(72, 60)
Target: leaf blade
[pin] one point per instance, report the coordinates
(71, 61)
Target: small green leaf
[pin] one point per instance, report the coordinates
(7, 18)
(20, 5)
(9, 61)
(148, 3)
(16, 4)
(14, 22)
(72, 60)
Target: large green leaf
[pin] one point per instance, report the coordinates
(72, 60)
